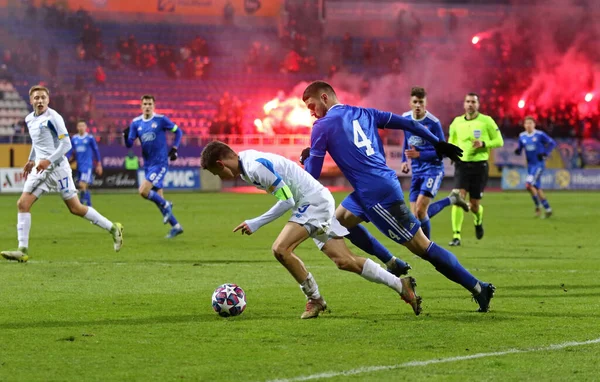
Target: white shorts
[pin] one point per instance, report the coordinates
(56, 178)
(318, 211)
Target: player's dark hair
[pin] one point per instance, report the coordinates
(473, 94)
(148, 96)
(213, 152)
(36, 88)
(531, 118)
(315, 88)
(418, 92)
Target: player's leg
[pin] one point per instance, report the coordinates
(477, 183)
(350, 215)
(537, 186)
(176, 228)
(148, 190)
(335, 248)
(399, 224)
(457, 213)
(24, 205)
(454, 199)
(283, 248)
(85, 179)
(544, 201)
(427, 191)
(68, 192)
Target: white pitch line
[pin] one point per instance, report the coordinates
(372, 369)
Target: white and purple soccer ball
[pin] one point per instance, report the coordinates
(229, 300)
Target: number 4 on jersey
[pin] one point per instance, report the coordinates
(360, 138)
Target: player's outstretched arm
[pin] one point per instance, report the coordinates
(314, 165)
(430, 155)
(285, 203)
(397, 122)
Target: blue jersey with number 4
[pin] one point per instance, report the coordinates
(349, 134)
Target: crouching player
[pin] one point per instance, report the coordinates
(313, 215)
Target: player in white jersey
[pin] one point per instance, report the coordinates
(50, 143)
(313, 215)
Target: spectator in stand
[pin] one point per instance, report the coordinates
(100, 76)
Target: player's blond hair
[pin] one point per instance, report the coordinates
(36, 88)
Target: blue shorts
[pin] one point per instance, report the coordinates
(534, 175)
(391, 216)
(85, 175)
(427, 185)
(156, 174)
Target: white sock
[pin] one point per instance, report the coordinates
(373, 272)
(310, 288)
(97, 219)
(453, 198)
(477, 288)
(23, 227)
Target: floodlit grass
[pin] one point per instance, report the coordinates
(79, 311)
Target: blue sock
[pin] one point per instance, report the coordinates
(436, 207)
(156, 198)
(82, 197)
(172, 221)
(363, 239)
(536, 200)
(88, 198)
(447, 264)
(546, 204)
(426, 226)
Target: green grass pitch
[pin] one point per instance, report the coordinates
(79, 311)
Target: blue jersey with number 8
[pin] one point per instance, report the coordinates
(349, 134)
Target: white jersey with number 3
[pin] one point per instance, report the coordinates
(264, 169)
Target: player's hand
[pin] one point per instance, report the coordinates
(126, 134)
(478, 144)
(541, 157)
(449, 150)
(412, 153)
(244, 227)
(173, 153)
(99, 169)
(27, 168)
(43, 165)
(304, 155)
(405, 169)
(517, 152)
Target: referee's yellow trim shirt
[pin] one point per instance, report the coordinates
(463, 132)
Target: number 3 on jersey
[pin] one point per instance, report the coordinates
(360, 138)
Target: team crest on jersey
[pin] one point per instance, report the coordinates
(534, 139)
(477, 133)
(154, 125)
(416, 141)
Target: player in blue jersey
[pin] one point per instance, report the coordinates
(538, 145)
(349, 135)
(151, 130)
(85, 152)
(426, 165)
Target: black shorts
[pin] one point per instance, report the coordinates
(472, 176)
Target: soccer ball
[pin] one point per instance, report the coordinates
(229, 300)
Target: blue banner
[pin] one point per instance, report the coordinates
(178, 178)
(113, 156)
(552, 179)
